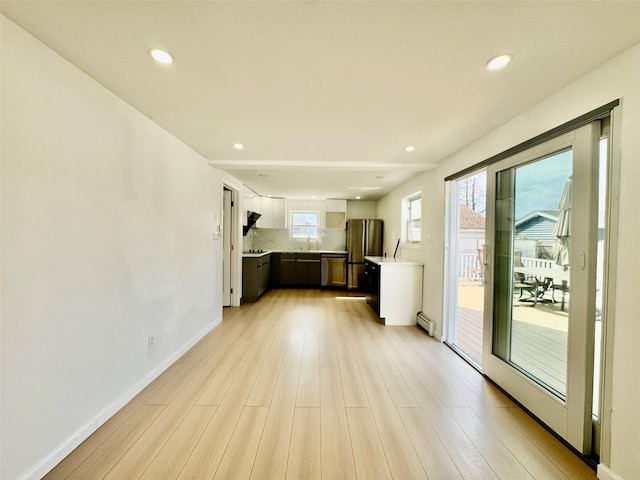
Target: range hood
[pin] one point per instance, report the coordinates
(252, 218)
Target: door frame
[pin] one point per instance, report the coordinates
(570, 418)
(609, 286)
(451, 267)
(235, 240)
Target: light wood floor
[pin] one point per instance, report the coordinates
(304, 384)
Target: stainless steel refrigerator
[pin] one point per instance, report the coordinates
(364, 238)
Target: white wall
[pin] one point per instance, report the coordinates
(107, 237)
(430, 253)
(361, 209)
(619, 78)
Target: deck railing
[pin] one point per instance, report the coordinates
(470, 268)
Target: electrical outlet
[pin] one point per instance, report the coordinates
(150, 342)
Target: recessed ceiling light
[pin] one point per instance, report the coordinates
(501, 61)
(358, 197)
(263, 175)
(409, 148)
(161, 56)
(379, 176)
(238, 146)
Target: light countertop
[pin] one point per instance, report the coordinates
(266, 252)
(391, 261)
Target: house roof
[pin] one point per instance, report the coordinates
(548, 214)
(470, 219)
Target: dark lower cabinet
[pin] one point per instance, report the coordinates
(372, 282)
(276, 259)
(264, 274)
(288, 269)
(256, 277)
(280, 269)
(308, 273)
(315, 273)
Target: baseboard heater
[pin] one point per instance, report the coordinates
(424, 322)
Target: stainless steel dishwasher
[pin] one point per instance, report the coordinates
(333, 270)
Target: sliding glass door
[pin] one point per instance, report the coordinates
(542, 234)
(465, 239)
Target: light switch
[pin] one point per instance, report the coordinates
(427, 238)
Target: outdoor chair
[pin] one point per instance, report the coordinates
(531, 285)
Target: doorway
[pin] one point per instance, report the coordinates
(464, 298)
(228, 240)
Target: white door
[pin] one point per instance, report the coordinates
(540, 280)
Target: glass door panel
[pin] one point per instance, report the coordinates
(540, 299)
(534, 207)
(465, 291)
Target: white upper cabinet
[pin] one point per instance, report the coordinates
(274, 213)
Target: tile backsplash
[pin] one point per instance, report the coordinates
(278, 239)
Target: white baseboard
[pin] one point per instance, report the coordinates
(605, 473)
(71, 443)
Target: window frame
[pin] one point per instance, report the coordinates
(407, 221)
(292, 225)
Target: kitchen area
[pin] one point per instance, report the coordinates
(325, 244)
(310, 254)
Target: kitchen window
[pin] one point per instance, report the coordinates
(304, 225)
(412, 218)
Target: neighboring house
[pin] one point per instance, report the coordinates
(470, 240)
(535, 233)
(471, 230)
(538, 224)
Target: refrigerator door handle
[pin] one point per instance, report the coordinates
(364, 242)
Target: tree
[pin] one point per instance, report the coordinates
(473, 192)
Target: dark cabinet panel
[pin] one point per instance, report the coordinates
(276, 258)
(315, 273)
(302, 272)
(249, 280)
(308, 271)
(264, 273)
(256, 277)
(372, 282)
(288, 269)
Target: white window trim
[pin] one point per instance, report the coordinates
(291, 225)
(404, 242)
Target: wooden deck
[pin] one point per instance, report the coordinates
(539, 335)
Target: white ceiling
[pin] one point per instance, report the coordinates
(324, 95)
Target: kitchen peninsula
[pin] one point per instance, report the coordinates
(395, 289)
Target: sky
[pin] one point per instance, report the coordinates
(539, 184)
